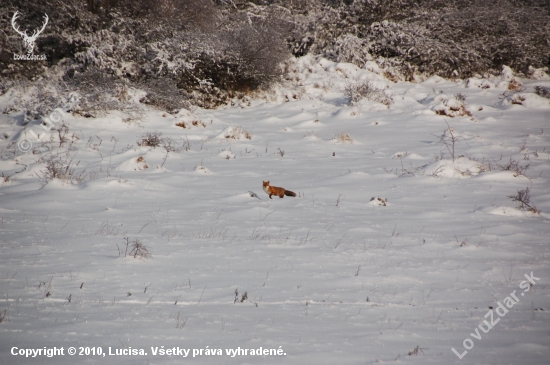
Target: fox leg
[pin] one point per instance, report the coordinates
(270, 196)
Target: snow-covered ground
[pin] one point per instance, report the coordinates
(332, 276)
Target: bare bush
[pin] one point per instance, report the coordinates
(416, 350)
(60, 166)
(171, 145)
(523, 198)
(151, 139)
(449, 139)
(514, 166)
(134, 248)
(244, 296)
(155, 139)
(139, 250)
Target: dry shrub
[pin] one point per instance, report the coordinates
(155, 139)
(454, 111)
(237, 132)
(514, 166)
(142, 164)
(139, 250)
(60, 166)
(134, 248)
(343, 138)
(523, 198)
(151, 139)
(195, 123)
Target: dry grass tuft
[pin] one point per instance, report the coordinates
(343, 138)
(195, 123)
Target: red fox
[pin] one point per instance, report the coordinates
(273, 190)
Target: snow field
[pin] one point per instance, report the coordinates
(330, 276)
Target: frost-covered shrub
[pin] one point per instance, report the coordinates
(245, 55)
(36, 99)
(359, 90)
(99, 92)
(207, 50)
(212, 51)
(454, 106)
(429, 36)
(349, 48)
(163, 93)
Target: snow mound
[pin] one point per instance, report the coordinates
(400, 154)
(311, 136)
(133, 164)
(234, 132)
(202, 170)
(460, 168)
(473, 83)
(451, 106)
(511, 212)
(538, 73)
(190, 124)
(228, 155)
(253, 195)
(119, 183)
(343, 138)
(528, 100)
(378, 202)
(506, 74)
(501, 176)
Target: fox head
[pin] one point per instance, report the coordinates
(266, 183)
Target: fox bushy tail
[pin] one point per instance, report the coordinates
(290, 193)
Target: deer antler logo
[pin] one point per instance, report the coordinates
(28, 41)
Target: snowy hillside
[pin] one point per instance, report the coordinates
(404, 236)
